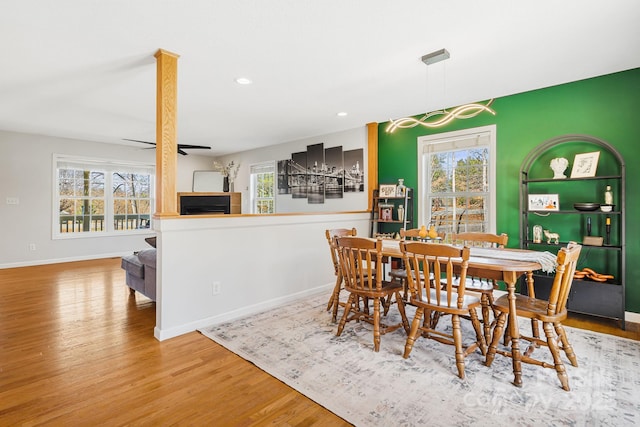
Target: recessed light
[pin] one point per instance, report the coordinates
(341, 114)
(243, 81)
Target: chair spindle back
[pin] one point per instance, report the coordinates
(425, 260)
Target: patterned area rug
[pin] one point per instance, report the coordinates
(297, 344)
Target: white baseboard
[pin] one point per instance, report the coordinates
(164, 334)
(61, 260)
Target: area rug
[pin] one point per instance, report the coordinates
(297, 345)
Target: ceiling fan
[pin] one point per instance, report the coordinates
(181, 147)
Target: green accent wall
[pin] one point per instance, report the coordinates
(606, 107)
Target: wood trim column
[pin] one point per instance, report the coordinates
(166, 133)
(372, 160)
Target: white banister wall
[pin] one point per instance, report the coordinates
(259, 261)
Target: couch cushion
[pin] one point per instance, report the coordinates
(132, 265)
(148, 257)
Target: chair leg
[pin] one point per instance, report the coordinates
(486, 304)
(415, 327)
(403, 314)
(376, 324)
(480, 338)
(386, 304)
(345, 315)
(565, 344)
(433, 319)
(555, 352)
(497, 333)
(457, 340)
(335, 298)
(535, 329)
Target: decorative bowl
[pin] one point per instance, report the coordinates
(607, 208)
(586, 206)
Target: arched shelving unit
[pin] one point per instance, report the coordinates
(605, 299)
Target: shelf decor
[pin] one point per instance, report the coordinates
(543, 202)
(558, 166)
(386, 212)
(390, 213)
(388, 190)
(585, 165)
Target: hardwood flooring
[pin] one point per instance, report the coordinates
(77, 348)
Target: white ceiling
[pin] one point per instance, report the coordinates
(85, 69)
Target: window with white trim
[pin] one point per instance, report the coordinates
(456, 180)
(262, 179)
(95, 197)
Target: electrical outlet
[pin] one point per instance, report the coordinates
(216, 288)
(32, 246)
(13, 201)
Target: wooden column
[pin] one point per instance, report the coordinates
(166, 133)
(372, 160)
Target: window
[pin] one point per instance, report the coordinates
(457, 180)
(100, 197)
(263, 199)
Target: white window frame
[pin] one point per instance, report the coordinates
(448, 139)
(108, 166)
(261, 168)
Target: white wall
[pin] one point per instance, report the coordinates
(260, 261)
(26, 173)
(349, 140)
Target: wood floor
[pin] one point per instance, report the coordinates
(76, 348)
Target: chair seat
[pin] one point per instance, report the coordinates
(398, 272)
(468, 300)
(531, 308)
(402, 273)
(387, 287)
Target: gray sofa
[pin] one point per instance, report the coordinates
(140, 271)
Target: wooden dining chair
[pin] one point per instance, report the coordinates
(400, 274)
(482, 285)
(550, 312)
(361, 261)
(331, 235)
(424, 260)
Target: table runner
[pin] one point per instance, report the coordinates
(546, 259)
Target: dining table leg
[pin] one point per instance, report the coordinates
(510, 279)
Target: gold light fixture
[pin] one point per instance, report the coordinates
(461, 112)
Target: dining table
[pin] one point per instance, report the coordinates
(503, 264)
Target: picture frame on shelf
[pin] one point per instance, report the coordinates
(544, 202)
(386, 212)
(387, 190)
(585, 165)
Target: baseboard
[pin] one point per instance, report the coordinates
(631, 317)
(164, 334)
(61, 260)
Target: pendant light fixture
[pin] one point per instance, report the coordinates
(443, 117)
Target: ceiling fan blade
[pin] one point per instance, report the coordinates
(137, 140)
(180, 146)
(187, 146)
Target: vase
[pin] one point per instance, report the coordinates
(401, 189)
(225, 184)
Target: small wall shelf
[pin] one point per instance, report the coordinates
(381, 224)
